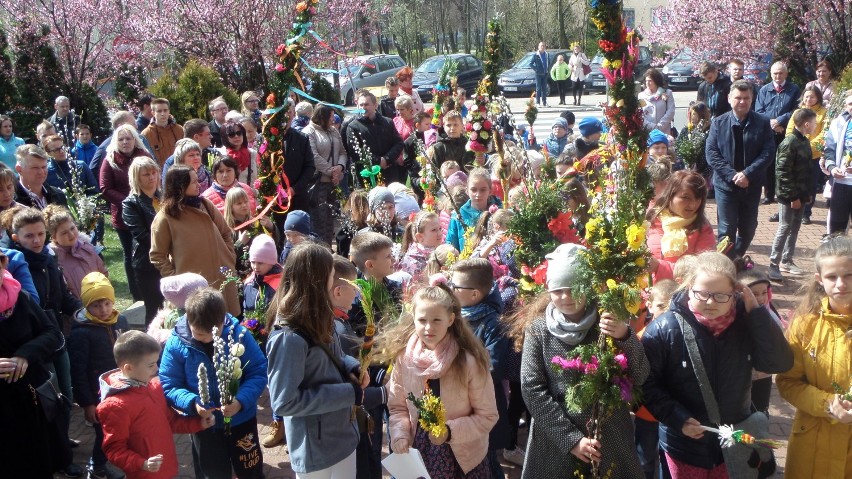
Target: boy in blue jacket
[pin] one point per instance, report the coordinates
(473, 285)
(215, 453)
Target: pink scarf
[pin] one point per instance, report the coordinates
(8, 295)
(430, 363)
(717, 325)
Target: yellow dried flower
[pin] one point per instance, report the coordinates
(635, 236)
(611, 284)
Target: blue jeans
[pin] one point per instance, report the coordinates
(789, 222)
(541, 89)
(98, 459)
(647, 445)
(736, 212)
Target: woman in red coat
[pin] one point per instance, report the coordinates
(115, 187)
(678, 225)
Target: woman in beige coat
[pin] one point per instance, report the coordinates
(330, 161)
(189, 235)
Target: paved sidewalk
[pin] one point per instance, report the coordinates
(277, 461)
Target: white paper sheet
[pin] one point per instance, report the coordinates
(406, 466)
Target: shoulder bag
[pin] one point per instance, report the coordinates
(743, 461)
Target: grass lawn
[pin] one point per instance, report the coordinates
(114, 259)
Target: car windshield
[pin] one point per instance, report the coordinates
(525, 61)
(598, 60)
(684, 56)
(352, 69)
(432, 65)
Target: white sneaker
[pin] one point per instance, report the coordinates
(515, 456)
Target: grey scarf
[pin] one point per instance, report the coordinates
(569, 333)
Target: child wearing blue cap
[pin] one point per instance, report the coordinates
(590, 135)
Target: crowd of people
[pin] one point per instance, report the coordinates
(295, 296)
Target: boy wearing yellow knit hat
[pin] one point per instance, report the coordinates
(93, 334)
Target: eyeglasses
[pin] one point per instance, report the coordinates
(252, 100)
(235, 134)
(455, 287)
(717, 297)
(54, 150)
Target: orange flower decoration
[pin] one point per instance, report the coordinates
(301, 7)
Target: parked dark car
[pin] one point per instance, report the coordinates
(468, 74)
(682, 70)
(595, 80)
(521, 77)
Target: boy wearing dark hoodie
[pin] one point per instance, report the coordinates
(473, 285)
(137, 423)
(93, 333)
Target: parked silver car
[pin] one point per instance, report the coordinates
(366, 71)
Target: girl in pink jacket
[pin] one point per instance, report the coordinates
(435, 349)
(678, 225)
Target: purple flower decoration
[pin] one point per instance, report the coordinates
(626, 387)
(251, 324)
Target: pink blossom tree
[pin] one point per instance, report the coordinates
(81, 32)
(718, 30)
(801, 30)
(236, 37)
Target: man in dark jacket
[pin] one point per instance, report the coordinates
(541, 66)
(378, 134)
(64, 120)
(299, 168)
(740, 147)
(776, 101)
(671, 392)
(31, 189)
(714, 90)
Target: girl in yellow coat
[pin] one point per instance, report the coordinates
(820, 337)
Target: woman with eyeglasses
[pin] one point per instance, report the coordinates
(251, 106)
(236, 145)
(678, 224)
(716, 318)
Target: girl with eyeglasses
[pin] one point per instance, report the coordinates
(733, 334)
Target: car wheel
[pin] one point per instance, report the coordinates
(350, 98)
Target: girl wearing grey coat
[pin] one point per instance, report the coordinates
(555, 431)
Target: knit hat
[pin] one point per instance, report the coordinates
(589, 126)
(298, 221)
(657, 136)
(379, 195)
(559, 121)
(263, 250)
(96, 286)
(178, 287)
(561, 264)
(457, 178)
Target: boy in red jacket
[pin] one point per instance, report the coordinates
(137, 423)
